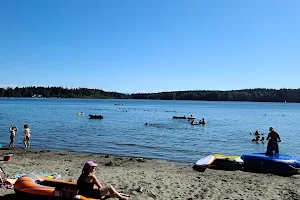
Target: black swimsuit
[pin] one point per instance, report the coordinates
(87, 190)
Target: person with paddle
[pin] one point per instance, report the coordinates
(273, 138)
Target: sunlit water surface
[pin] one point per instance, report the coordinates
(55, 125)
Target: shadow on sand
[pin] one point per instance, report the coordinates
(9, 197)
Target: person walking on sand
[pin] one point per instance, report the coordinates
(87, 180)
(13, 129)
(273, 138)
(26, 140)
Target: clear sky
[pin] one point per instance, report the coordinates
(150, 45)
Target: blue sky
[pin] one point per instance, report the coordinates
(150, 46)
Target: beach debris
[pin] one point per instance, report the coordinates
(7, 157)
(110, 163)
(140, 189)
(131, 159)
(137, 159)
(140, 160)
(68, 159)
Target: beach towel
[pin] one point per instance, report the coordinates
(7, 181)
(52, 175)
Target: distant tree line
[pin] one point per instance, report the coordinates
(60, 92)
(256, 95)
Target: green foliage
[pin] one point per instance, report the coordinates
(2, 92)
(59, 92)
(256, 95)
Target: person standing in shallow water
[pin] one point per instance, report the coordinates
(26, 140)
(13, 129)
(273, 138)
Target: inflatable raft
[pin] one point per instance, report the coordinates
(179, 117)
(32, 186)
(96, 116)
(277, 163)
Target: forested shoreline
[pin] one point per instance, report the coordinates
(255, 95)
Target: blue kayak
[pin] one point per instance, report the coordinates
(277, 163)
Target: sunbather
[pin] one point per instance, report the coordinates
(86, 183)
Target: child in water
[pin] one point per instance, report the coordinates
(13, 129)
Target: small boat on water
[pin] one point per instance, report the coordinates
(277, 163)
(32, 186)
(96, 116)
(179, 117)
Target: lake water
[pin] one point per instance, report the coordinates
(55, 125)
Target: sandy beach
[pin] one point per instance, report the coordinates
(153, 179)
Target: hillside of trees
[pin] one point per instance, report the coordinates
(60, 92)
(255, 95)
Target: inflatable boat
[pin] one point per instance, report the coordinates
(179, 117)
(277, 163)
(32, 186)
(96, 116)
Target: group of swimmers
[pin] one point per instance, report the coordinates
(201, 121)
(191, 121)
(149, 124)
(273, 139)
(257, 138)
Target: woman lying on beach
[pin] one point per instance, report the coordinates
(86, 183)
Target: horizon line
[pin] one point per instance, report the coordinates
(15, 86)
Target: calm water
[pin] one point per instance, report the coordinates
(54, 125)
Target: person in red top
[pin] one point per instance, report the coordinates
(273, 138)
